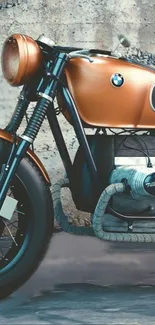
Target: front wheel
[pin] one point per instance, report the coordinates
(24, 239)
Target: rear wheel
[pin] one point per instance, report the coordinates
(24, 239)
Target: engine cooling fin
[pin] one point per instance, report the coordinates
(97, 228)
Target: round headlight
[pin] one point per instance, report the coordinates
(21, 59)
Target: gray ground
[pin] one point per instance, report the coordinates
(85, 281)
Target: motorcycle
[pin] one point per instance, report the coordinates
(109, 94)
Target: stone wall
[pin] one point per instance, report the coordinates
(86, 23)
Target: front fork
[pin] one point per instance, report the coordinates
(47, 94)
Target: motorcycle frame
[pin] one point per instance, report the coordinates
(80, 133)
(47, 89)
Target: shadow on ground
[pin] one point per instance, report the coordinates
(85, 281)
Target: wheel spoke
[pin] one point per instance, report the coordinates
(12, 224)
(10, 233)
(20, 212)
(2, 252)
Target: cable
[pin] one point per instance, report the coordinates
(149, 164)
(133, 132)
(149, 160)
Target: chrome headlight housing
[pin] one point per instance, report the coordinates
(21, 59)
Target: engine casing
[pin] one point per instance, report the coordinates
(136, 177)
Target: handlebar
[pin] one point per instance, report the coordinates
(81, 54)
(72, 52)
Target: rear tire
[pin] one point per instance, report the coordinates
(31, 187)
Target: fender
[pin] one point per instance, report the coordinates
(8, 137)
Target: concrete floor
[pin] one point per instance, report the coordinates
(85, 281)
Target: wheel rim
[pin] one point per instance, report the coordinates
(15, 234)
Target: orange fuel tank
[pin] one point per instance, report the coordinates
(112, 92)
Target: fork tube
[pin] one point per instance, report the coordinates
(47, 96)
(55, 128)
(10, 170)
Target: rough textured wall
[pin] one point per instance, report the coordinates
(87, 23)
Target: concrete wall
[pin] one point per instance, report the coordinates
(87, 23)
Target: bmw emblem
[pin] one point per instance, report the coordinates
(117, 80)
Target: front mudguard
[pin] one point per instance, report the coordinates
(7, 137)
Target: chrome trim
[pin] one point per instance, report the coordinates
(85, 54)
(153, 108)
(21, 96)
(46, 40)
(43, 95)
(28, 139)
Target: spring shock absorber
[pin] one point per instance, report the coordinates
(36, 120)
(47, 97)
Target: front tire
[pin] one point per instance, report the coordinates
(35, 220)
